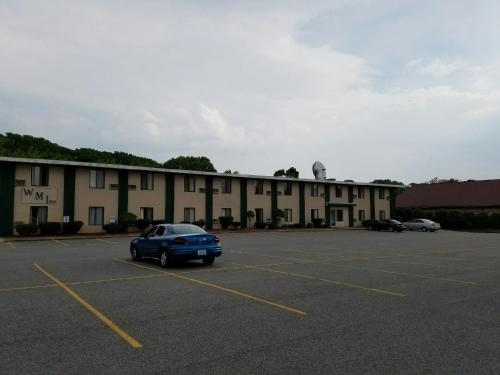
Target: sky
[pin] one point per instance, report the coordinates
(405, 90)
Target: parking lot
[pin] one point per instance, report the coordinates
(275, 302)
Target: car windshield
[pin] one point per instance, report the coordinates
(186, 229)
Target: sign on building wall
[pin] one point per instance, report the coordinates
(38, 195)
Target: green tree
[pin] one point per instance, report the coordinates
(193, 163)
(290, 172)
(387, 182)
(279, 173)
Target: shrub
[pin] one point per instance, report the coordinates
(260, 225)
(50, 227)
(236, 224)
(225, 221)
(127, 219)
(317, 222)
(297, 225)
(26, 230)
(113, 228)
(309, 225)
(200, 223)
(142, 224)
(185, 222)
(272, 226)
(277, 215)
(71, 227)
(325, 226)
(160, 221)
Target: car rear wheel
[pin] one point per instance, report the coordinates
(424, 229)
(208, 260)
(134, 254)
(164, 259)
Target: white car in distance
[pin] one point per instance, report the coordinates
(422, 224)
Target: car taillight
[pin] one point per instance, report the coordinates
(180, 240)
(216, 239)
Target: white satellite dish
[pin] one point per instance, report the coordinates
(319, 170)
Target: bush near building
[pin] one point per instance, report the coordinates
(453, 219)
(26, 230)
(71, 227)
(50, 228)
(142, 224)
(225, 221)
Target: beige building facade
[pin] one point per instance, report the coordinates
(35, 191)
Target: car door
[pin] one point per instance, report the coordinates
(155, 241)
(412, 224)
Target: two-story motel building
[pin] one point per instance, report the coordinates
(36, 190)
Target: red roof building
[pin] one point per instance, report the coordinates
(471, 195)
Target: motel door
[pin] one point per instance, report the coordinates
(332, 216)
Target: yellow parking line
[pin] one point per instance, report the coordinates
(120, 332)
(442, 266)
(215, 286)
(111, 280)
(27, 287)
(334, 282)
(106, 241)
(11, 245)
(60, 243)
(379, 270)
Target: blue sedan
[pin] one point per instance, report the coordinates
(173, 243)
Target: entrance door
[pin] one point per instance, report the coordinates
(38, 214)
(332, 216)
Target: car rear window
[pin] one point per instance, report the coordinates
(186, 229)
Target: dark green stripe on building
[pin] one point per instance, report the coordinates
(243, 203)
(169, 197)
(372, 203)
(302, 204)
(7, 185)
(350, 198)
(69, 192)
(122, 192)
(274, 198)
(328, 220)
(209, 201)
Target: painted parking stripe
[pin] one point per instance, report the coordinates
(334, 282)
(115, 328)
(215, 286)
(105, 241)
(60, 243)
(418, 276)
(11, 245)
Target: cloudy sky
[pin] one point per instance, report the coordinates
(406, 90)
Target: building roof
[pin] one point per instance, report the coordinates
(179, 171)
(484, 193)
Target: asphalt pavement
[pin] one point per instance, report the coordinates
(333, 302)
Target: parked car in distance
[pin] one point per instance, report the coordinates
(173, 243)
(422, 224)
(388, 224)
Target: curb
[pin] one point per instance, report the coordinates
(137, 234)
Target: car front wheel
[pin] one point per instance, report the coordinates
(208, 260)
(134, 254)
(164, 259)
(424, 229)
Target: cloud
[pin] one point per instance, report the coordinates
(258, 87)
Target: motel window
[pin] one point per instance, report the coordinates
(38, 214)
(381, 215)
(288, 215)
(381, 193)
(338, 191)
(189, 184)
(314, 213)
(226, 185)
(314, 190)
(189, 214)
(361, 192)
(287, 188)
(147, 213)
(96, 215)
(226, 212)
(96, 178)
(259, 187)
(361, 215)
(147, 181)
(259, 215)
(39, 176)
(340, 215)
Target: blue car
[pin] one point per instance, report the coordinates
(174, 243)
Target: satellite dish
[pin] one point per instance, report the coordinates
(319, 170)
